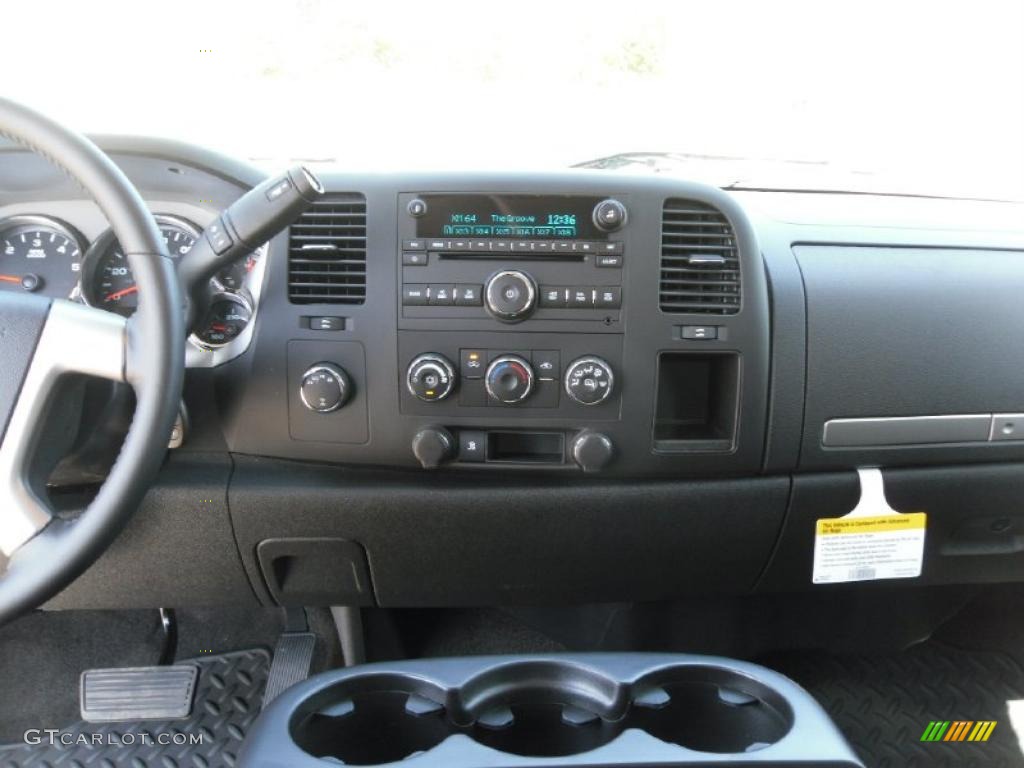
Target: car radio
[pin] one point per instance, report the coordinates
(511, 258)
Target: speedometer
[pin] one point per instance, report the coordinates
(38, 253)
(109, 282)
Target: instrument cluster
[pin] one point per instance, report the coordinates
(43, 254)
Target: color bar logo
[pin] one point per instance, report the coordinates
(958, 730)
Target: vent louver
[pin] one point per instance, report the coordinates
(327, 252)
(700, 264)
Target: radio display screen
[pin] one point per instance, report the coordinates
(526, 217)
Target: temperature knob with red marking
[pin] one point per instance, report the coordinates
(509, 379)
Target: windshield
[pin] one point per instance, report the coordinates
(916, 97)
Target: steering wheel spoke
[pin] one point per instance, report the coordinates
(74, 340)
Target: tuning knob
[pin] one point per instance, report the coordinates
(592, 450)
(432, 446)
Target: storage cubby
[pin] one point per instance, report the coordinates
(696, 401)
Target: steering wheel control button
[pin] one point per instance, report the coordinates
(430, 378)
(217, 235)
(472, 445)
(432, 446)
(325, 388)
(417, 208)
(589, 380)
(509, 379)
(511, 295)
(592, 451)
(609, 215)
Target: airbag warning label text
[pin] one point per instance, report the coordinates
(856, 548)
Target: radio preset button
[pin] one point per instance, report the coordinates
(415, 295)
(589, 380)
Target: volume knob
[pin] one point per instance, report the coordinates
(510, 295)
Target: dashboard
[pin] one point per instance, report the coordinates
(466, 373)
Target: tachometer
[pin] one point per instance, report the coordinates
(109, 283)
(38, 253)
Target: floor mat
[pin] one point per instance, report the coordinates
(883, 704)
(228, 698)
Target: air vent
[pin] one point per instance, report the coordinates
(327, 252)
(700, 265)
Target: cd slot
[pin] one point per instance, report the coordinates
(545, 257)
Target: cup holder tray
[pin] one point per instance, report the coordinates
(585, 709)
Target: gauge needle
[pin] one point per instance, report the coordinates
(122, 293)
(10, 279)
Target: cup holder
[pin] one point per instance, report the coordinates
(710, 709)
(370, 721)
(544, 709)
(539, 709)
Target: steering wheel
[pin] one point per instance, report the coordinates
(42, 340)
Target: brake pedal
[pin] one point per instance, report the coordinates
(293, 656)
(137, 693)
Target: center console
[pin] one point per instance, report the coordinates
(555, 323)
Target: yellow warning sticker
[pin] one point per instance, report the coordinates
(878, 524)
(869, 547)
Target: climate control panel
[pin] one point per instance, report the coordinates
(501, 375)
